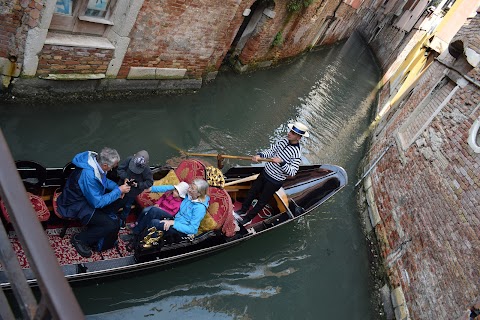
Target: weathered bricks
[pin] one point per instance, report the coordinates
(56, 59)
(433, 198)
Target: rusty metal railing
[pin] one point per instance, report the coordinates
(57, 299)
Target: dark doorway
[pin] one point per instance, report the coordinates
(246, 29)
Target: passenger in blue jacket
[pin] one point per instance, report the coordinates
(86, 196)
(192, 211)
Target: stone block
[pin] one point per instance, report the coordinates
(73, 86)
(370, 196)
(401, 313)
(82, 41)
(142, 73)
(387, 302)
(123, 84)
(367, 221)
(74, 76)
(185, 84)
(36, 86)
(169, 73)
(269, 13)
(211, 76)
(265, 64)
(374, 216)
(241, 67)
(367, 183)
(398, 298)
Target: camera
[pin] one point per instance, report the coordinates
(131, 182)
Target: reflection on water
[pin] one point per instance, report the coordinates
(315, 268)
(204, 299)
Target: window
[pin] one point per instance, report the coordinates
(96, 8)
(82, 16)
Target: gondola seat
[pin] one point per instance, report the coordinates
(221, 210)
(33, 176)
(38, 204)
(190, 169)
(66, 222)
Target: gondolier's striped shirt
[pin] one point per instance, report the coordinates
(289, 153)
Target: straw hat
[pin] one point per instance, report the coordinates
(299, 128)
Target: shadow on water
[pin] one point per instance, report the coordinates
(316, 268)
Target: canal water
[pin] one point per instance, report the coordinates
(316, 268)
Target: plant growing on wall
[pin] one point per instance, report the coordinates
(297, 5)
(278, 40)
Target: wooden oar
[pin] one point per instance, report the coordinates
(250, 178)
(219, 157)
(225, 156)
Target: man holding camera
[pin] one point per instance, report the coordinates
(87, 196)
(137, 172)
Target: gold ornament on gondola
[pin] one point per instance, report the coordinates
(150, 239)
(215, 177)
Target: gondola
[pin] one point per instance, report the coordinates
(300, 195)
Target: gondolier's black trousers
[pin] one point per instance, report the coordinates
(263, 189)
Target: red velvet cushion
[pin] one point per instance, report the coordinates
(189, 170)
(221, 209)
(229, 225)
(144, 200)
(56, 194)
(38, 205)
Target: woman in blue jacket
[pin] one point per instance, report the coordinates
(192, 210)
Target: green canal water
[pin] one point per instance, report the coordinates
(316, 268)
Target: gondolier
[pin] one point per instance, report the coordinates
(286, 158)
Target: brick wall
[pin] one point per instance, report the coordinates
(197, 35)
(428, 198)
(299, 30)
(16, 18)
(65, 60)
(183, 34)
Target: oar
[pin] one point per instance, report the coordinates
(250, 178)
(219, 157)
(225, 156)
